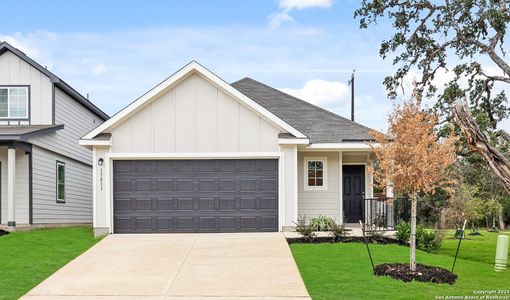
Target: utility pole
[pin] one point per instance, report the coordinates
(351, 83)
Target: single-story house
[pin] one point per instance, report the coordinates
(196, 154)
(45, 175)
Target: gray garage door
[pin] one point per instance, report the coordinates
(195, 195)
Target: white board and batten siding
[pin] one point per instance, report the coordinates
(22, 186)
(194, 116)
(15, 71)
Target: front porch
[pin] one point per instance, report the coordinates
(15, 177)
(337, 183)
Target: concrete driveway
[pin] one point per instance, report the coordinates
(179, 266)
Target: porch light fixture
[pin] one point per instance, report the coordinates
(100, 162)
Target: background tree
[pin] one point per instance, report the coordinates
(411, 158)
(464, 39)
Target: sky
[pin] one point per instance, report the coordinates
(115, 51)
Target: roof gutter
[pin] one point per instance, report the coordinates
(295, 141)
(342, 146)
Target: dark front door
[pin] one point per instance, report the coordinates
(353, 192)
(231, 195)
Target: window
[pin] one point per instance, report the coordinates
(315, 173)
(61, 182)
(14, 102)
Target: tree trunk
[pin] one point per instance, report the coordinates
(501, 221)
(442, 218)
(477, 141)
(412, 240)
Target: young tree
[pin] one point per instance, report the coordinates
(412, 159)
(465, 39)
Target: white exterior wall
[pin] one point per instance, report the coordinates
(21, 189)
(195, 116)
(289, 189)
(15, 71)
(328, 202)
(101, 195)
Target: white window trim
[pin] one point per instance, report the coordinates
(60, 163)
(324, 187)
(27, 102)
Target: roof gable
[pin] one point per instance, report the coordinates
(192, 67)
(320, 125)
(4, 47)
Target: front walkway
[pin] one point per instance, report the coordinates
(182, 266)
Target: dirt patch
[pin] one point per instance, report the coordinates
(423, 273)
(348, 239)
(3, 232)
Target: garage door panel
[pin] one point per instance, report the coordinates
(164, 185)
(195, 196)
(122, 185)
(269, 185)
(227, 185)
(164, 204)
(206, 185)
(227, 203)
(249, 223)
(184, 224)
(185, 185)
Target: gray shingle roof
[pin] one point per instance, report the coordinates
(23, 132)
(319, 125)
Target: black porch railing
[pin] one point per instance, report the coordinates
(381, 214)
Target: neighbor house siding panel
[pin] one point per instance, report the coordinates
(77, 121)
(15, 71)
(194, 116)
(313, 203)
(78, 189)
(21, 186)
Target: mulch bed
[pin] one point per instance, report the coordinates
(423, 273)
(3, 232)
(348, 239)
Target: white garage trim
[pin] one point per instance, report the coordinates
(176, 77)
(189, 155)
(110, 157)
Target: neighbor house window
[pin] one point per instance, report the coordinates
(14, 102)
(61, 182)
(315, 174)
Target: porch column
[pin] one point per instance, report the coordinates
(290, 186)
(11, 183)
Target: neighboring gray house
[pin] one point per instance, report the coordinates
(45, 176)
(196, 154)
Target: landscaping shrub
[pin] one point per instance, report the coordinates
(305, 230)
(338, 232)
(429, 241)
(403, 232)
(321, 223)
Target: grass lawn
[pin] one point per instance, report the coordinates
(27, 258)
(343, 270)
